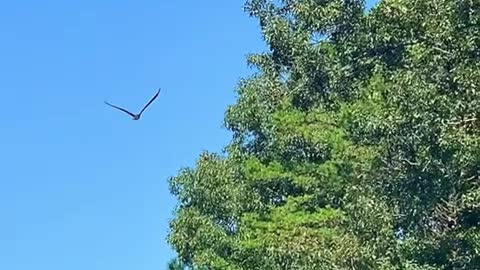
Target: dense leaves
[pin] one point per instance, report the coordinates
(356, 145)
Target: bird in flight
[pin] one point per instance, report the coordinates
(133, 115)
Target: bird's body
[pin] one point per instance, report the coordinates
(133, 115)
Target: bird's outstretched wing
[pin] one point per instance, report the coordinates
(121, 109)
(150, 102)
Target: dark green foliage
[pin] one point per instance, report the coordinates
(356, 145)
(175, 264)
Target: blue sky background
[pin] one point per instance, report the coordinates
(81, 185)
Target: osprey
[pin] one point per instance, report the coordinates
(133, 115)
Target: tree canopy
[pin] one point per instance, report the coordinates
(356, 144)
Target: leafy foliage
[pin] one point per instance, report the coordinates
(356, 145)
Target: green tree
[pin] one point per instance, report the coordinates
(175, 264)
(356, 145)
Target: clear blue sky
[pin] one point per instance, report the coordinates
(81, 185)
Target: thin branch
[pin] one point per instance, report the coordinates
(463, 121)
(442, 50)
(410, 162)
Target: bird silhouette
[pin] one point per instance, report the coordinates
(133, 115)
